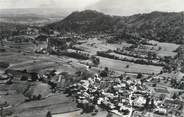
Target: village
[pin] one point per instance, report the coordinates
(78, 68)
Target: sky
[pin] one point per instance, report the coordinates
(76, 4)
(114, 7)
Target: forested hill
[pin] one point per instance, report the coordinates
(161, 26)
(85, 21)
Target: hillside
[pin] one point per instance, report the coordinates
(161, 26)
(85, 21)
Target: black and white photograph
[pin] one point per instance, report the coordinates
(91, 58)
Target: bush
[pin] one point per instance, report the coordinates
(39, 97)
(95, 60)
(75, 55)
(24, 78)
(2, 50)
(105, 72)
(7, 113)
(34, 76)
(9, 82)
(139, 75)
(48, 114)
(4, 64)
(105, 54)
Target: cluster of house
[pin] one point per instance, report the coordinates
(112, 95)
(121, 96)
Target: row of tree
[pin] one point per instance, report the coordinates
(138, 61)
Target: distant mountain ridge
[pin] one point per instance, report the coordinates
(33, 16)
(161, 26)
(42, 12)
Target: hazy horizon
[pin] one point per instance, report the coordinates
(116, 7)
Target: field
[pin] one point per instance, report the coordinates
(167, 49)
(13, 94)
(77, 114)
(120, 66)
(93, 45)
(37, 62)
(23, 57)
(56, 103)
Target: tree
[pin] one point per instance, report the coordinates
(39, 97)
(106, 69)
(9, 82)
(147, 102)
(95, 60)
(127, 66)
(154, 85)
(24, 78)
(126, 112)
(4, 64)
(34, 97)
(159, 48)
(52, 84)
(34, 76)
(173, 83)
(174, 96)
(49, 114)
(2, 105)
(152, 103)
(109, 114)
(139, 75)
(105, 72)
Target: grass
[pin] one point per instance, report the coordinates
(166, 53)
(34, 65)
(167, 49)
(77, 114)
(13, 99)
(120, 66)
(13, 57)
(20, 86)
(56, 104)
(38, 88)
(94, 45)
